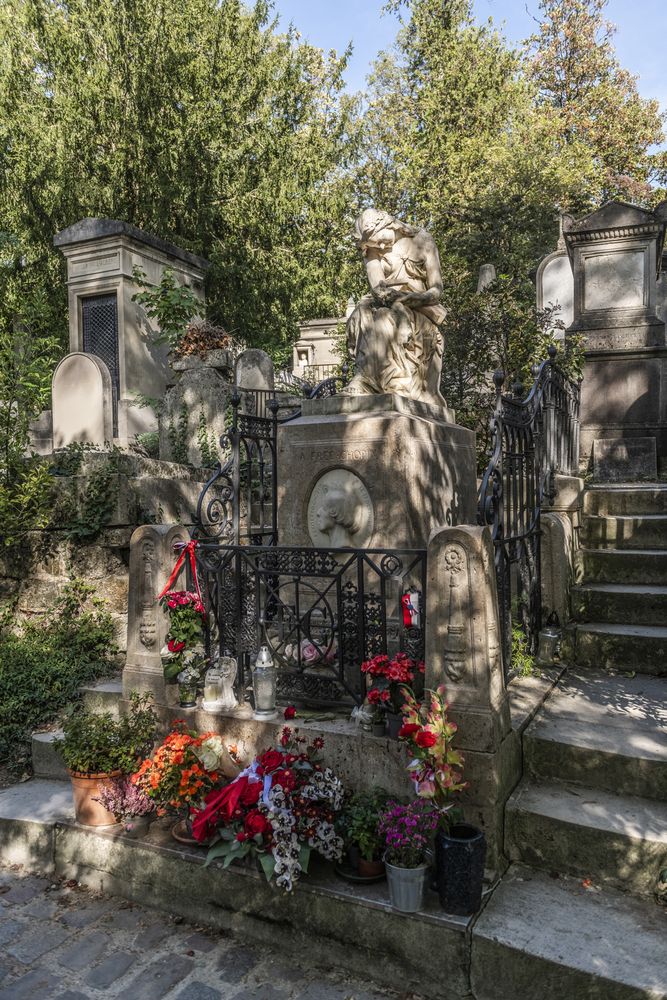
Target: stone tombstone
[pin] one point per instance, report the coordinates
(463, 645)
(193, 416)
(254, 370)
(152, 559)
(410, 471)
(616, 255)
(81, 402)
(624, 459)
(555, 287)
(101, 255)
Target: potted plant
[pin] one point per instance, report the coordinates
(389, 677)
(436, 771)
(97, 748)
(186, 630)
(407, 831)
(360, 829)
(182, 771)
(128, 804)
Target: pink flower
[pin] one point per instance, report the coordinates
(309, 652)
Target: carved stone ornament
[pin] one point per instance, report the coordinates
(456, 639)
(340, 511)
(147, 625)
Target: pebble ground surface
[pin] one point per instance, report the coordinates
(60, 941)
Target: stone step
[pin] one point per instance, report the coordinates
(104, 696)
(620, 603)
(619, 840)
(544, 938)
(638, 531)
(641, 648)
(47, 761)
(626, 498)
(624, 566)
(602, 731)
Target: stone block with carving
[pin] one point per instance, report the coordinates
(463, 636)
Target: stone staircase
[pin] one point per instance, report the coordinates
(586, 828)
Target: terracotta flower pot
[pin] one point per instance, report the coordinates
(85, 787)
(370, 869)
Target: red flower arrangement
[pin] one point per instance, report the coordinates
(186, 627)
(436, 768)
(280, 808)
(388, 677)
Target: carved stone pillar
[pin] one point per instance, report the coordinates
(151, 560)
(463, 653)
(462, 634)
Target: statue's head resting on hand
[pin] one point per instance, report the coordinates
(376, 230)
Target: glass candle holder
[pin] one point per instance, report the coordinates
(264, 685)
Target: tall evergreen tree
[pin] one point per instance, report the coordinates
(592, 101)
(194, 120)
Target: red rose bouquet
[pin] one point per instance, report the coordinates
(435, 768)
(280, 808)
(186, 628)
(388, 677)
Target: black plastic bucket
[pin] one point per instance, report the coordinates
(460, 855)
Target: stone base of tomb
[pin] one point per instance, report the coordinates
(415, 466)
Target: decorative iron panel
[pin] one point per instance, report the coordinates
(532, 440)
(322, 611)
(100, 337)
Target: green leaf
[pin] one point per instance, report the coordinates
(268, 864)
(304, 857)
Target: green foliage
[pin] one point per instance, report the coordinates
(206, 443)
(170, 304)
(196, 121)
(522, 662)
(96, 743)
(178, 436)
(359, 823)
(44, 661)
(85, 505)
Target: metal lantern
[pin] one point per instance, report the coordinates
(549, 646)
(264, 685)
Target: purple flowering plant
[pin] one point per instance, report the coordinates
(408, 832)
(124, 799)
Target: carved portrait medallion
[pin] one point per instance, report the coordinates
(340, 511)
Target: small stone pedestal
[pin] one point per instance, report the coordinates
(395, 468)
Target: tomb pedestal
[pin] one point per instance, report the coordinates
(377, 471)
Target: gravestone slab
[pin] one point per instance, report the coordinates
(254, 370)
(555, 287)
(82, 402)
(624, 459)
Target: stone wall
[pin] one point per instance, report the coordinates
(146, 491)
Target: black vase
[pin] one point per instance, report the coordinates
(460, 855)
(394, 723)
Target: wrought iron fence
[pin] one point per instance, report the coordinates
(322, 611)
(532, 440)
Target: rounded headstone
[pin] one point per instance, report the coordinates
(81, 398)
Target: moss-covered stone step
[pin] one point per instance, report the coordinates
(645, 531)
(619, 840)
(627, 648)
(626, 499)
(602, 731)
(620, 603)
(552, 938)
(624, 566)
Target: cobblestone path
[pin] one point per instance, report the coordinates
(59, 941)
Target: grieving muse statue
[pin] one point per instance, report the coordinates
(394, 332)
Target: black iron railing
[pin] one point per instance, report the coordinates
(322, 612)
(532, 440)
